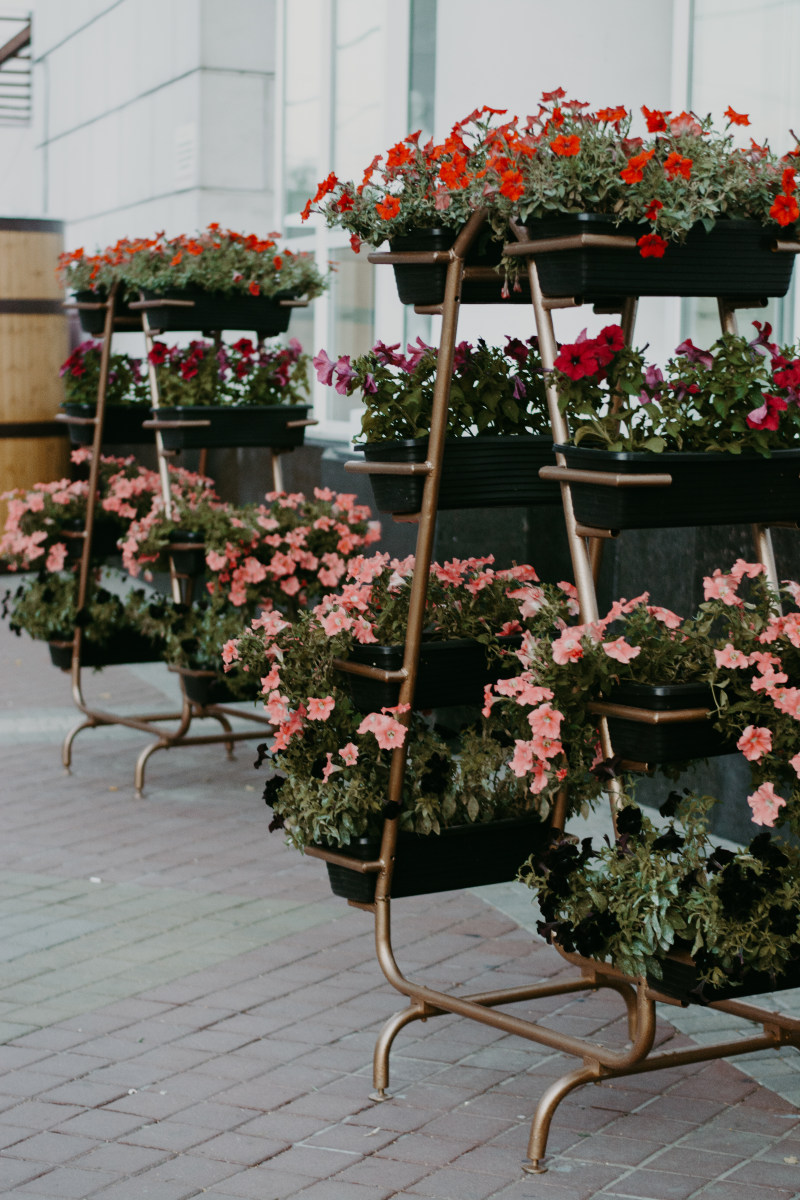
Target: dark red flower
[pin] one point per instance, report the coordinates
(651, 245)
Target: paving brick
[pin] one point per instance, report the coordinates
(50, 1148)
(660, 1185)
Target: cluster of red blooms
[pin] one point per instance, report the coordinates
(491, 161)
(590, 356)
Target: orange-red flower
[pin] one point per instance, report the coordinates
(566, 145)
(685, 123)
(788, 184)
(612, 115)
(736, 118)
(784, 210)
(388, 208)
(656, 119)
(632, 173)
(675, 164)
(277, 262)
(512, 185)
(253, 288)
(651, 245)
(652, 210)
(558, 94)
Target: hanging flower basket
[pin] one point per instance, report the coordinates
(477, 472)
(271, 425)
(424, 283)
(678, 741)
(450, 672)
(736, 258)
(122, 425)
(459, 857)
(194, 308)
(706, 489)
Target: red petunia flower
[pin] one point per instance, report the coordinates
(656, 119)
(632, 173)
(612, 115)
(388, 208)
(253, 288)
(566, 145)
(784, 210)
(736, 118)
(653, 209)
(651, 245)
(578, 360)
(675, 164)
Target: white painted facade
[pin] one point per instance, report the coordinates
(168, 114)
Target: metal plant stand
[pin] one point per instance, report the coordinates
(164, 738)
(639, 998)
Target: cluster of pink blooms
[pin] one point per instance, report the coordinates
(769, 678)
(350, 610)
(288, 561)
(33, 532)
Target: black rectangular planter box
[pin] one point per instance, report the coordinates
(680, 981)
(229, 427)
(122, 424)
(128, 648)
(677, 742)
(450, 673)
(706, 489)
(734, 259)
(93, 320)
(188, 561)
(477, 472)
(424, 283)
(460, 857)
(205, 687)
(214, 311)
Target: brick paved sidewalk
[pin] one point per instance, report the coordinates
(186, 1011)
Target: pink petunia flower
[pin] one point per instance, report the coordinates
(755, 742)
(765, 805)
(388, 732)
(349, 754)
(729, 656)
(621, 650)
(320, 710)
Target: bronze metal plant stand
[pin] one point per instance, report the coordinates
(165, 738)
(598, 1061)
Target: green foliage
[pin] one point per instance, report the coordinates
(664, 887)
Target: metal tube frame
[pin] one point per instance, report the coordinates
(599, 1062)
(146, 722)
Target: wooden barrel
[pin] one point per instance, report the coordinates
(33, 345)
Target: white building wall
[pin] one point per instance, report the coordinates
(148, 114)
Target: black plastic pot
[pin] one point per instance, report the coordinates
(680, 981)
(424, 283)
(104, 539)
(122, 424)
(205, 687)
(188, 561)
(464, 856)
(241, 426)
(706, 489)
(213, 311)
(93, 320)
(452, 672)
(477, 472)
(677, 742)
(128, 648)
(734, 259)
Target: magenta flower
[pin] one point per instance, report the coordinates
(324, 367)
(694, 354)
(344, 374)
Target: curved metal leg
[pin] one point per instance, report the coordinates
(540, 1127)
(66, 747)
(380, 1057)
(628, 993)
(138, 777)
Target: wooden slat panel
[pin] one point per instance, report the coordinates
(32, 348)
(25, 461)
(28, 263)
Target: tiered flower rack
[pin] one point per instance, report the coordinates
(639, 996)
(137, 315)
